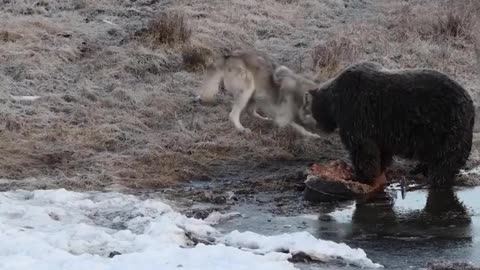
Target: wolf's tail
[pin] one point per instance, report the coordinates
(210, 86)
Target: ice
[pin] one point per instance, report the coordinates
(60, 229)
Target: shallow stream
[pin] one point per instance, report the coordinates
(403, 234)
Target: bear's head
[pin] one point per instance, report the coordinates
(322, 108)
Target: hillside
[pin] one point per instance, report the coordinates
(117, 80)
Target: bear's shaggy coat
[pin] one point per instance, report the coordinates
(417, 114)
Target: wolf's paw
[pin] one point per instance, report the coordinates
(243, 130)
(246, 131)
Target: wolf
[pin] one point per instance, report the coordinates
(417, 114)
(257, 82)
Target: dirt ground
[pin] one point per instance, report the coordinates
(117, 81)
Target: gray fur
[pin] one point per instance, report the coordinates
(257, 82)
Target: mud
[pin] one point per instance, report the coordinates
(277, 186)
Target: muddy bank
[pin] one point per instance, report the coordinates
(277, 187)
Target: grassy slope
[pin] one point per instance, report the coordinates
(117, 80)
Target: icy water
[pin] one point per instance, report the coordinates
(406, 234)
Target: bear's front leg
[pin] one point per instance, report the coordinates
(367, 161)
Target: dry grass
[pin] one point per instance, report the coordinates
(118, 79)
(333, 55)
(456, 19)
(169, 28)
(444, 21)
(196, 58)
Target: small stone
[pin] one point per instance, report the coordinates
(113, 254)
(54, 216)
(300, 187)
(113, 32)
(220, 200)
(325, 218)
(201, 214)
(65, 34)
(301, 257)
(69, 98)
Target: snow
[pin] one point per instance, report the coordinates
(59, 229)
(472, 172)
(299, 242)
(216, 217)
(25, 98)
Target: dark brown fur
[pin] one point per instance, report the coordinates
(418, 114)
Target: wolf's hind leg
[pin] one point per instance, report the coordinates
(254, 112)
(303, 131)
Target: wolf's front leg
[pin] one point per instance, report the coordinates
(240, 102)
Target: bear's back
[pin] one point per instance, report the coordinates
(396, 107)
(404, 87)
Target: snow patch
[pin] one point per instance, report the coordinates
(297, 243)
(472, 172)
(469, 177)
(59, 229)
(25, 98)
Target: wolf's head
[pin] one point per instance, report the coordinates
(305, 111)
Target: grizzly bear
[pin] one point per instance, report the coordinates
(418, 114)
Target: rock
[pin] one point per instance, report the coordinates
(300, 187)
(325, 218)
(300, 257)
(201, 214)
(210, 197)
(113, 254)
(219, 200)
